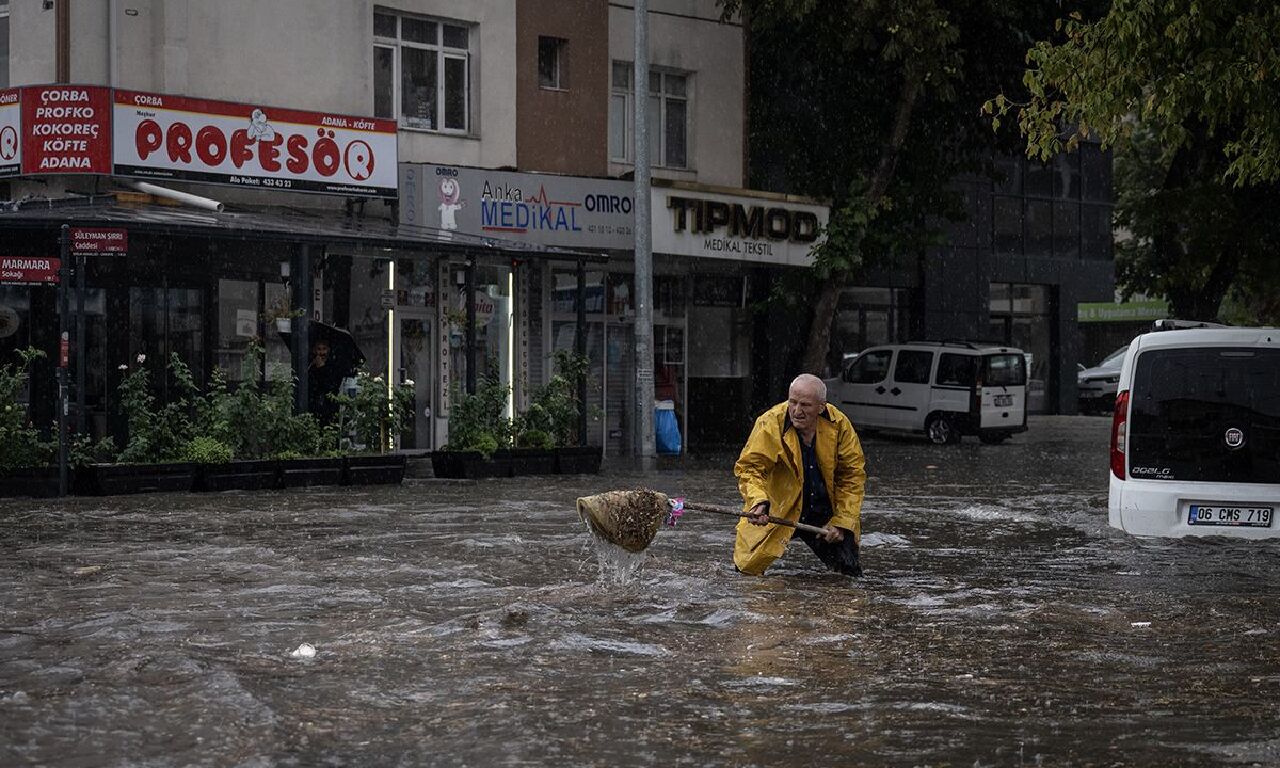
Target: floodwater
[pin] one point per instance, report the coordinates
(1001, 622)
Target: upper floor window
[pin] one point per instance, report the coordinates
(4, 43)
(552, 63)
(422, 72)
(668, 117)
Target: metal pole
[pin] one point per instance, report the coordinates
(644, 437)
(64, 275)
(81, 265)
(580, 347)
(470, 288)
(300, 285)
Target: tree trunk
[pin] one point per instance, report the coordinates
(824, 311)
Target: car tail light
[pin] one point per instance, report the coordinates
(1118, 429)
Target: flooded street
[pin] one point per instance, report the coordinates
(1001, 622)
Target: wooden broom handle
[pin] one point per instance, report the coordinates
(719, 510)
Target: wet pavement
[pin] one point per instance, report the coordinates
(1001, 622)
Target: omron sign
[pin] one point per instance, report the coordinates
(738, 227)
(58, 129)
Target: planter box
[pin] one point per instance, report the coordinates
(579, 460)
(470, 465)
(374, 469)
(296, 473)
(533, 461)
(253, 475)
(112, 479)
(39, 482)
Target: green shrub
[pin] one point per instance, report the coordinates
(477, 421)
(207, 450)
(20, 443)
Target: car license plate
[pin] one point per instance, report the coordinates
(1002, 400)
(1245, 517)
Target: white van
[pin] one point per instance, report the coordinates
(1195, 437)
(943, 389)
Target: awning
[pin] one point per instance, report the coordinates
(285, 225)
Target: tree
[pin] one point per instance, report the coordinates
(1185, 93)
(874, 105)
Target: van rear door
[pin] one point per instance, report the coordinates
(1002, 399)
(1205, 414)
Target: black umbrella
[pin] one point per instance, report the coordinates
(344, 355)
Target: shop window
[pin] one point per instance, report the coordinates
(552, 63)
(421, 74)
(1066, 230)
(668, 116)
(1095, 168)
(1006, 225)
(1038, 179)
(1066, 178)
(867, 316)
(1095, 231)
(1039, 228)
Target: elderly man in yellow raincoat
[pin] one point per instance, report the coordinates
(803, 462)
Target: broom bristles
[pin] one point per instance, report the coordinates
(629, 519)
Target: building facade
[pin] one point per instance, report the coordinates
(529, 91)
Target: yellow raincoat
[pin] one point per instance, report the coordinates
(770, 468)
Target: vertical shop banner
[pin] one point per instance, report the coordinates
(64, 129)
(159, 136)
(10, 133)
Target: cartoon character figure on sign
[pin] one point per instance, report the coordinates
(450, 204)
(259, 128)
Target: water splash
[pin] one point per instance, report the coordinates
(618, 567)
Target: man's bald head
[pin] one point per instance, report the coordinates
(808, 384)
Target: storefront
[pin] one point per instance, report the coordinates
(707, 242)
(211, 283)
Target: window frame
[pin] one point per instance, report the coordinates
(443, 53)
(559, 45)
(659, 153)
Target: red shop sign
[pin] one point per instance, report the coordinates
(66, 129)
(28, 270)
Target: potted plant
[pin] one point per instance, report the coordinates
(281, 314)
(554, 411)
(155, 456)
(25, 468)
(479, 435)
(371, 416)
(272, 445)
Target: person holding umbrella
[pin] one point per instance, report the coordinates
(324, 379)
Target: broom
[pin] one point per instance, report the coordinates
(630, 519)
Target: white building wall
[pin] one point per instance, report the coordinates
(688, 35)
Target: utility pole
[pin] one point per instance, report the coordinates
(644, 437)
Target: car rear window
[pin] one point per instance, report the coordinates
(1210, 414)
(1003, 371)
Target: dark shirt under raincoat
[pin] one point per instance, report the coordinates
(771, 468)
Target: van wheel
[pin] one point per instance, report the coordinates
(993, 438)
(940, 430)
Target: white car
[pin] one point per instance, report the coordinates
(1195, 437)
(941, 389)
(1096, 386)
